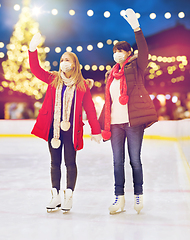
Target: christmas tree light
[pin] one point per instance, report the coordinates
(16, 68)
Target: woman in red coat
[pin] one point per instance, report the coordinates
(60, 119)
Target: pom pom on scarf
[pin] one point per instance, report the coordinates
(65, 126)
(123, 99)
(55, 143)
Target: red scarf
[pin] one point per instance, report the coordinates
(123, 98)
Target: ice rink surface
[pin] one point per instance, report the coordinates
(25, 191)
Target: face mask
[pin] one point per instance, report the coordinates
(65, 66)
(119, 57)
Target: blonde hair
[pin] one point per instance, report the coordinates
(76, 75)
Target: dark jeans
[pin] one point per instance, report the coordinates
(69, 157)
(134, 137)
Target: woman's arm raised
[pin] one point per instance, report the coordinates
(35, 67)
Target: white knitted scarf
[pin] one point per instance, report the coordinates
(67, 102)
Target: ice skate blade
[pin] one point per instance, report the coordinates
(138, 212)
(65, 210)
(50, 210)
(113, 213)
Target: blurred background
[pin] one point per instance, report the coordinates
(90, 29)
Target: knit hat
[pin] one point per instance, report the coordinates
(123, 98)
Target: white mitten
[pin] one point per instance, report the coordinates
(131, 18)
(97, 138)
(36, 40)
(89, 82)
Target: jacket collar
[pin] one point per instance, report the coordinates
(135, 56)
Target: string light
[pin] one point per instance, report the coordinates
(57, 49)
(69, 49)
(155, 70)
(174, 99)
(101, 67)
(54, 12)
(2, 45)
(55, 63)
(79, 48)
(72, 12)
(16, 7)
(36, 11)
(97, 84)
(152, 16)
(100, 45)
(90, 47)
(167, 15)
(168, 96)
(90, 13)
(87, 67)
(24, 48)
(47, 63)
(108, 67)
(159, 72)
(94, 67)
(181, 15)
(106, 14)
(2, 55)
(46, 49)
(109, 41)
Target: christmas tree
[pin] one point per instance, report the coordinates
(17, 74)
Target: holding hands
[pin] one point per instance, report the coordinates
(36, 40)
(131, 18)
(97, 138)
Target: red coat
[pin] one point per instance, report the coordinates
(82, 99)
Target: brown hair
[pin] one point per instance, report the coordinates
(123, 45)
(77, 75)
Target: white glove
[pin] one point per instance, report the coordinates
(89, 82)
(36, 40)
(131, 18)
(97, 138)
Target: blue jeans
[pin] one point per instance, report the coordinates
(134, 137)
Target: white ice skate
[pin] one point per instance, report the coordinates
(68, 200)
(55, 202)
(138, 203)
(119, 204)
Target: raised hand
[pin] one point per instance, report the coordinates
(36, 40)
(131, 18)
